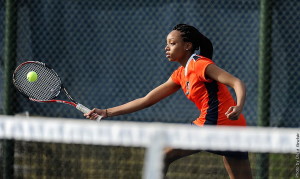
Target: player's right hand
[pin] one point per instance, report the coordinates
(94, 113)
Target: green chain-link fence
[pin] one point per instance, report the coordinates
(111, 52)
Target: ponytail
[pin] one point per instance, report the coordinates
(191, 34)
(206, 47)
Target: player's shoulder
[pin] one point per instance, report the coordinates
(177, 75)
(179, 69)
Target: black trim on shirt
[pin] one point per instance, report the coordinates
(213, 103)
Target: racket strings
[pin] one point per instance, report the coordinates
(46, 87)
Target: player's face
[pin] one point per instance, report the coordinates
(176, 48)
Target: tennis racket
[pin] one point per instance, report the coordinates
(45, 88)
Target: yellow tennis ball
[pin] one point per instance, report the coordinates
(32, 76)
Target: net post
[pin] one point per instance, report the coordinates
(264, 78)
(153, 166)
(9, 58)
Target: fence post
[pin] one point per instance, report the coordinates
(9, 58)
(264, 79)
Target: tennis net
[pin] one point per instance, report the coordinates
(67, 148)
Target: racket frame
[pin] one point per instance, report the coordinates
(72, 102)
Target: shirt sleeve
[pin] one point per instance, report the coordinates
(176, 76)
(200, 67)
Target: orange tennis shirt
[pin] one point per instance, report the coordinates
(212, 98)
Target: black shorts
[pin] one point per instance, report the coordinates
(232, 154)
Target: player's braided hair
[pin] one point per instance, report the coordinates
(191, 34)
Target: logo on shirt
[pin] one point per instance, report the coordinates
(187, 88)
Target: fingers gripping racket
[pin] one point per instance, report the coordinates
(40, 83)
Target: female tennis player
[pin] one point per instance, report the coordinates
(204, 83)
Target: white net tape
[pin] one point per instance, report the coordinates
(252, 139)
(153, 136)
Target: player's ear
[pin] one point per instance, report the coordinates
(188, 45)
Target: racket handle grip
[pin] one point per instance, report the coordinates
(84, 109)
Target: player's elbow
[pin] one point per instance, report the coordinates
(239, 84)
(235, 82)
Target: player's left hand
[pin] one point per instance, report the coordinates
(233, 112)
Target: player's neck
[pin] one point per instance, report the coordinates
(184, 60)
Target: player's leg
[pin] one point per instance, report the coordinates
(237, 168)
(174, 154)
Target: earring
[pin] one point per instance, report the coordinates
(186, 49)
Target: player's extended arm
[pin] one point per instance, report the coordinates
(154, 96)
(214, 72)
